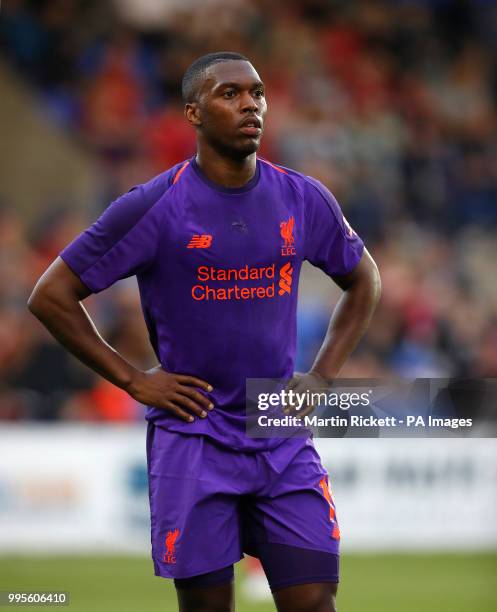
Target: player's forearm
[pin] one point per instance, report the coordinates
(68, 321)
(348, 324)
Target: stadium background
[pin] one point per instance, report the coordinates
(393, 105)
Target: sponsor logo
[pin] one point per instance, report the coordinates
(200, 241)
(286, 231)
(268, 284)
(170, 544)
(285, 283)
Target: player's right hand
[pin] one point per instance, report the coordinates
(176, 393)
(307, 384)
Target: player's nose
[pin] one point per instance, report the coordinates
(248, 103)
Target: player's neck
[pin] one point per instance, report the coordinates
(226, 171)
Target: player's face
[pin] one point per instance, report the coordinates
(231, 108)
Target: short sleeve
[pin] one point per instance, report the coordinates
(331, 244)
(121, 243)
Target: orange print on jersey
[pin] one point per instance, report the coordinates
(211, 283)
(272, 165)
(324, 485)
(286, 230)
(170, 543)
(285, 283)
(200, 241)
(180, 172)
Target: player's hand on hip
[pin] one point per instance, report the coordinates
(311, 383)
(177, 393)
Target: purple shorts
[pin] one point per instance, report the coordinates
(210, 504)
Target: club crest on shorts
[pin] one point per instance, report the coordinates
(286, 231)
(170, 544)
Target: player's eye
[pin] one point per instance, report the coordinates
(259, 93)
(229, 93)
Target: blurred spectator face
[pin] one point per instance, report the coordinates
(231, 92)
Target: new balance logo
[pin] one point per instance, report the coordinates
(200, 241)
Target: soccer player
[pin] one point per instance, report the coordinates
(216, 244)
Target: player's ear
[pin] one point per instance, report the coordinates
(192, 114)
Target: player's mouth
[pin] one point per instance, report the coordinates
(251, 126)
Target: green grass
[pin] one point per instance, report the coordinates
(372, 583)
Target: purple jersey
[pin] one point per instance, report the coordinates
(218, 272)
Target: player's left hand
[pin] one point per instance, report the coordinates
(311, 382)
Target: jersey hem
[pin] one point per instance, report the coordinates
(162, 574)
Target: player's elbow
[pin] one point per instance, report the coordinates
(32, 303)
(365, 282)
(56, 291)
(45, 298)
(375, 284)
(39, 299)
(368, 280)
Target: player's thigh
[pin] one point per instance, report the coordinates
(317, 597)
(287, 567)
(212, 592)
(209, 599)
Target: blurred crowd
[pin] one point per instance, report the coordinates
(391, 104)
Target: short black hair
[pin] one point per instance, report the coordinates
(194, 72)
